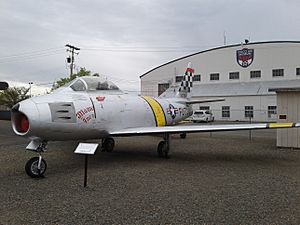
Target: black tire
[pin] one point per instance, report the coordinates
(183, 135)
(31, 168)
(108, 145)
(162, 150)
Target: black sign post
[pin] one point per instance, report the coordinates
(86, 149)
(85, 170)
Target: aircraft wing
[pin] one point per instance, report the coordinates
(200, 128)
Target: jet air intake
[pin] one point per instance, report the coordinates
(22, 124)
(20, 121)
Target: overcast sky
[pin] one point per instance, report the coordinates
(122, 39)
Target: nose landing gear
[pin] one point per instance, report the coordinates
(36, 166)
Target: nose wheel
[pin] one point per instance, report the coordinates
(36, 167)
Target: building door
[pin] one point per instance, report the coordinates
(162, 88)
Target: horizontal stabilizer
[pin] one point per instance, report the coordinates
(190, 102)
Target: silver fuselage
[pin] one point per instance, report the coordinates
(69, 115)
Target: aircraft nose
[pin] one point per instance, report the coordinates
(24, 117)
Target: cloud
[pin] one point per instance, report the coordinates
(125, 38)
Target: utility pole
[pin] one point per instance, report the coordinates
(71, 49)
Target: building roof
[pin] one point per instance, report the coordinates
(222, 47)
(285, 89)
(243, 88)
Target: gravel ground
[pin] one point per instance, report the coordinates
(223, 179)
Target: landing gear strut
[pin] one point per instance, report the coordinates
(163, 147)
(183, 135)
(36, 166)
(108, 144)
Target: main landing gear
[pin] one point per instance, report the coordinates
(183, 135)
(36, 166)
(163, 147)
(108, 144)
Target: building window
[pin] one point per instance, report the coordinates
(249, 111)
(278, 72)
(272, 111)
(197, 77)
(234, 75)
(214, 76)
(178, 78)
(162, 88)
(255, 74)
(204, 108)
(297, 71)
(226, 111)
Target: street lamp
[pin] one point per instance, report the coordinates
(30, 83)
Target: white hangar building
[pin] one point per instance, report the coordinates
(241, 73)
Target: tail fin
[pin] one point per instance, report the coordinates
(187, 82)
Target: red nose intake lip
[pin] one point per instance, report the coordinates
(22, 123)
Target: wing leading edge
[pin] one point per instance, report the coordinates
(200, 128)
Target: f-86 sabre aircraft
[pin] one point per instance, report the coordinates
(94, 108)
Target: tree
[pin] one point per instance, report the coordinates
(82, 72)
(13, 95)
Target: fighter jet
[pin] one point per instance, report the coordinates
(95, 108)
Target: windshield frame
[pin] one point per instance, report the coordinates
(91, 84)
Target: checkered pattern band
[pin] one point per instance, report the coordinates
(187, 82)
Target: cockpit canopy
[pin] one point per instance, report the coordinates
(91, 83)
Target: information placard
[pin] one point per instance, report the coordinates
(86, 148)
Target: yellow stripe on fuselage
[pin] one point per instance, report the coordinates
(280, 125)
(158, 111)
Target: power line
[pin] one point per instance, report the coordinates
(137, 50)
(157, 47)
(30, 53)
(26, 58)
